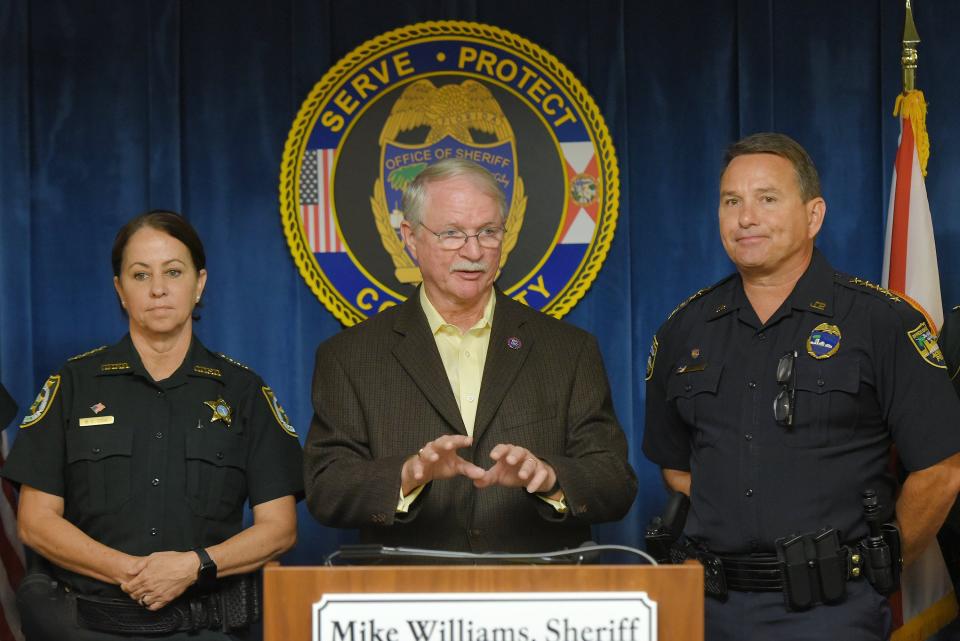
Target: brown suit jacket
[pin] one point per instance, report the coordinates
(380, 393)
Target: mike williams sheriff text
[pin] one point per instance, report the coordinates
(554, 629)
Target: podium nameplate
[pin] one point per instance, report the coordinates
(486, 616)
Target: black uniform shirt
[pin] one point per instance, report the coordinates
(8, 408)
(867, 372)
(148, 466)
(950, 344)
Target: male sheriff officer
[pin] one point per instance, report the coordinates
(773, 398)
(461, 419)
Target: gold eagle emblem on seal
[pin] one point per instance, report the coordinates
(461, 120)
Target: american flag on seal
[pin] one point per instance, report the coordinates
(316, 210)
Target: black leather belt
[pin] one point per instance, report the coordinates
(235, 605)
(127, 617)
(754, 573)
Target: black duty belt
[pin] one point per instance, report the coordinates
(808, 569)
(234, 606)
(754, 573)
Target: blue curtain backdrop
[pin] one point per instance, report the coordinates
(109, 108)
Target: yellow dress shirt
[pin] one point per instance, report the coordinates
(463, 355)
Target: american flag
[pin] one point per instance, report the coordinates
(316, 210)
(11, 550)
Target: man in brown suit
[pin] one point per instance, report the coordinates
(462, 419)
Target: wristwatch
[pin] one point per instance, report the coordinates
(207, 573)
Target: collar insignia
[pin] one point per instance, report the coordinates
(209, 371)
(114, 367)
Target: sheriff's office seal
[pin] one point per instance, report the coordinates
(436, 90)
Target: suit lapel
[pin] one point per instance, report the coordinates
(510, 343)
(418, 355)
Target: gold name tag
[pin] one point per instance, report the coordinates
(96, 420)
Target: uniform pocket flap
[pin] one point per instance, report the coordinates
(97, 443)
(689, 383)
(828, 375)
(219, 450)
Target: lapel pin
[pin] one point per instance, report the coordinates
(514, 343)
(99, 407)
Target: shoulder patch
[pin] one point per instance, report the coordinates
(85, 354)
(43, 402)
(278, 412)
(652, 357)
(232, 362)
(925, 342)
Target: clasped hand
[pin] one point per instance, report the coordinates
(514, 466)
(161, 577)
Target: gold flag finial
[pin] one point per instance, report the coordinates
(908, 58)
(911, 104)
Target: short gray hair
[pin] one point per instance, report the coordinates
(415, 195)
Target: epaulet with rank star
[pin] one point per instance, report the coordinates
(232, 361)
(697, 295)
(921, 330)
(85, 354)
(655, 344)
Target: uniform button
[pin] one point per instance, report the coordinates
(155, 482)
(159, 434)
(748, 436)
(159, 392)
(762, 336)
(154, 531)
(95, 450)
(687, 387)
(820, 382)
(471, 398)
(219, 455)
(752, 384)
(749, 493)
(467, 354)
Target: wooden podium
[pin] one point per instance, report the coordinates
(288, 592)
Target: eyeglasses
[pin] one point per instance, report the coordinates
(488, 237)
(785, 401)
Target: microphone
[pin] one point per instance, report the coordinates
(586, 552)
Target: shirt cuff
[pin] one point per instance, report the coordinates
(403, 505)
(560, 505)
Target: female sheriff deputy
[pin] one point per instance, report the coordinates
(135, 461)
